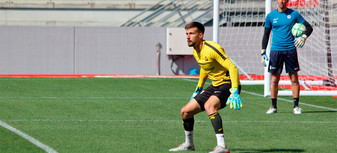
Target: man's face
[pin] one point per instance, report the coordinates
(193, 36)
(282, 4)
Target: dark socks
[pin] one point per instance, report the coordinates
(274, 102)
(216, 122)
(188, 124)
(296, 101)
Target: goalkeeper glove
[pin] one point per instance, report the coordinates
(264, 57)
(299, 41)
(234, 99)
(197, 90)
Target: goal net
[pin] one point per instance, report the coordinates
(241, 31)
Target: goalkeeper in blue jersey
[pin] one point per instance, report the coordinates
(283, 50)
(224, 90)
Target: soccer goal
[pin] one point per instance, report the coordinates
(241, 31)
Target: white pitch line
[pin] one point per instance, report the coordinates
(27, 137)
(290, 101)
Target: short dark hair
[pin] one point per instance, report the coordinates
(199, 26)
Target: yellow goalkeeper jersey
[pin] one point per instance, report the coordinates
(216, 65)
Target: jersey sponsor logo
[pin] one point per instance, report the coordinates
(206, 59)
(289, 16)
(217, 92)
(275, 20)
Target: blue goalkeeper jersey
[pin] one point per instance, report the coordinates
(281, 24)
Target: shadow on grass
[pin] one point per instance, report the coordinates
(267, 150)
(319, 112)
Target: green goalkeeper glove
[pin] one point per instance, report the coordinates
(234, 99)
(264, 57)
(197, 91)
(300, 41)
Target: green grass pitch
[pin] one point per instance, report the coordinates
(142, 115)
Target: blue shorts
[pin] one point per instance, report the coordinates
(288, 58)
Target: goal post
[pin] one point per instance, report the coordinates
(267, 75)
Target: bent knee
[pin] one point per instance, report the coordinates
(294, 81)
(274, 81)
(184, 113)
(208, 106)
(187, 112)
(211, 108)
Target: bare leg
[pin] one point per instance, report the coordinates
(187, 115)
(275, 78)
(296, 91)
(190, 109)
(294, 84)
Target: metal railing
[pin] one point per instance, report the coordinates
(172, 13)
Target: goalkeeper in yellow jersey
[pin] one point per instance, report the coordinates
(224, 90)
